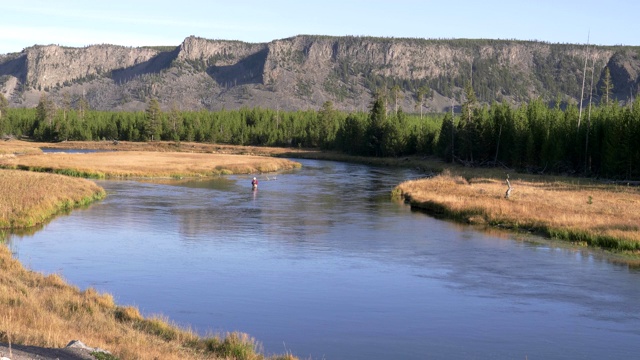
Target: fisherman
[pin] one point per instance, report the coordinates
(254, 183)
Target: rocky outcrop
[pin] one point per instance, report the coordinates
(624, 67)
(75, 350)
(55, 66)
(216, 52)
(305, 71)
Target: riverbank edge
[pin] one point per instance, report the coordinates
(28, 297)
(617, 250)
(61, 207)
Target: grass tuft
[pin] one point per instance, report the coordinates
(127, 314)
(159, 327)
(234, 345)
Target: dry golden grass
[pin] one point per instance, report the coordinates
(147, 164)
(601, 215)
(44, 311)
(27, 199)
(162, 146)
(13, 147)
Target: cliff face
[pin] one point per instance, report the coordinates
(305, 71)
(217, 52)
(51, 66)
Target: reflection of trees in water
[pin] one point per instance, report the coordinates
(6, 234)
(299, 218)
(220, 220)
(310, 206)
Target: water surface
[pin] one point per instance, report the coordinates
(321, 263)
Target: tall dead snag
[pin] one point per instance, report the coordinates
(506, 195)
(584, 75)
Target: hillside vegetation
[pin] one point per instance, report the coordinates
(596, 141)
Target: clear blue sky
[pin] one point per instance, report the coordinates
(161, 22)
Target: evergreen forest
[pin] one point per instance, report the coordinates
(597, 141)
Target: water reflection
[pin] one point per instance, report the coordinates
(322, 260)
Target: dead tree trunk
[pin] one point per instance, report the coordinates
(508, 193)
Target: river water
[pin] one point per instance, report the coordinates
(321, 263)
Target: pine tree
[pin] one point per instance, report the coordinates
(153, 119)
(4, 105)
(351, 137)
(470, 102)
(468, 128)
(326, 124)
(607, 86)
(82, 105)
(175, 123)
(66, 105)
(445, 146)
(377, 126)
(45, 111)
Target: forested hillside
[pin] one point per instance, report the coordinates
(303, 72)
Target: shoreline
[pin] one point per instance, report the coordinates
(595, 216)
(29, 199)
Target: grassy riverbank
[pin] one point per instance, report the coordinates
(44, 311)
(594, 214)
(28, 199)
(126, 164)
(162, 146)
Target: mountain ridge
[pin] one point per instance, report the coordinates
(304, 71)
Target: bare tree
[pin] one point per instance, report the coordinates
(508, 193)
(421, 95)
(396, 92)
(584, 75)
(586, 145)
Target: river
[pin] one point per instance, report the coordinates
(320, 262)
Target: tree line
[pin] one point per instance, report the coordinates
(601, 141)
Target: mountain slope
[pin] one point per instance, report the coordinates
(304, 71)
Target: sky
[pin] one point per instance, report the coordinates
(79, 23)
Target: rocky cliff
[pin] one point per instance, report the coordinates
(304, 71)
